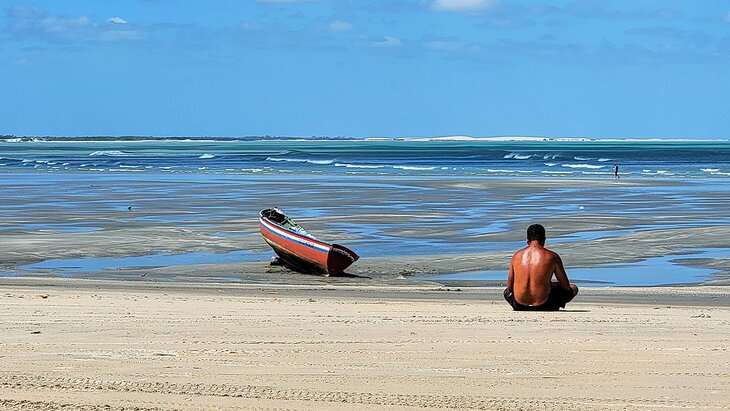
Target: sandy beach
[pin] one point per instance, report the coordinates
(156, 293)
(82, 344)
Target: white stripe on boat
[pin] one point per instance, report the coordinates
(292, 237)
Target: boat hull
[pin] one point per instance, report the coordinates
(304, 253)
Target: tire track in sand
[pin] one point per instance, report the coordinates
(24, 382)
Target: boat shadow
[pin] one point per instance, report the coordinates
(348, 275)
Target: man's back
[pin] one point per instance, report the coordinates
(532, 269)
(529, 285)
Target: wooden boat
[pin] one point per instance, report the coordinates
(300, 250)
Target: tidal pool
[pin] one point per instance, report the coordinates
(85, 265)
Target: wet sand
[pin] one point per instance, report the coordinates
(403, 228)
(93, 344)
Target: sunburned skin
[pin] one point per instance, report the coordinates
(531, 271)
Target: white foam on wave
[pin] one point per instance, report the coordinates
(207, 155)
(581, 159)
(603, 160)
(414, 168)
(556, 172)
(551, 164)
(300, 160)
(658, 172)
(550, 156)
(715, 172)
(496, 170)
(589, 166)
(356, 165)
(108, 153)
(518, 156)
(125, 170)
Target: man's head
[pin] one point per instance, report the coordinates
(536, 232)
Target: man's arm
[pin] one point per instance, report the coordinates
(560, 273)
(511, 276)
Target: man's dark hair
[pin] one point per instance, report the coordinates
(536, 232)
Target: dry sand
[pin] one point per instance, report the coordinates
(88, 345)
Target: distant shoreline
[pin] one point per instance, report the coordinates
(491, 139)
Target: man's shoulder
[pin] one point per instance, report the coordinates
(552, 254)
(519, 252)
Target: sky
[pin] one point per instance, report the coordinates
(366, 68)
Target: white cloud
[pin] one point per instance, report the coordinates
(36, 23)
(387, 42)
(463, 6)
(116, 20)
(340, 26)
(63, 25)
(451, 46)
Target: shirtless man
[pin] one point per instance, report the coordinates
(529, 285)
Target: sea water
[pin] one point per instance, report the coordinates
(549, 159)
(221, 184)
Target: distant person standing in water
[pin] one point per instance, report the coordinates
(529, 284)
(615, 171)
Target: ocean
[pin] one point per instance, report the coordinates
(420, 157)
(457, 207)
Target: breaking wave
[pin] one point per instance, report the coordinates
(356, 165)
(300, 160)
(414, 168)
(518, 156)
(108, 153)
(589, 166)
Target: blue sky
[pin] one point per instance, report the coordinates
(362, 68)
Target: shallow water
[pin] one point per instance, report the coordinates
(64, 228)
(86, 265)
